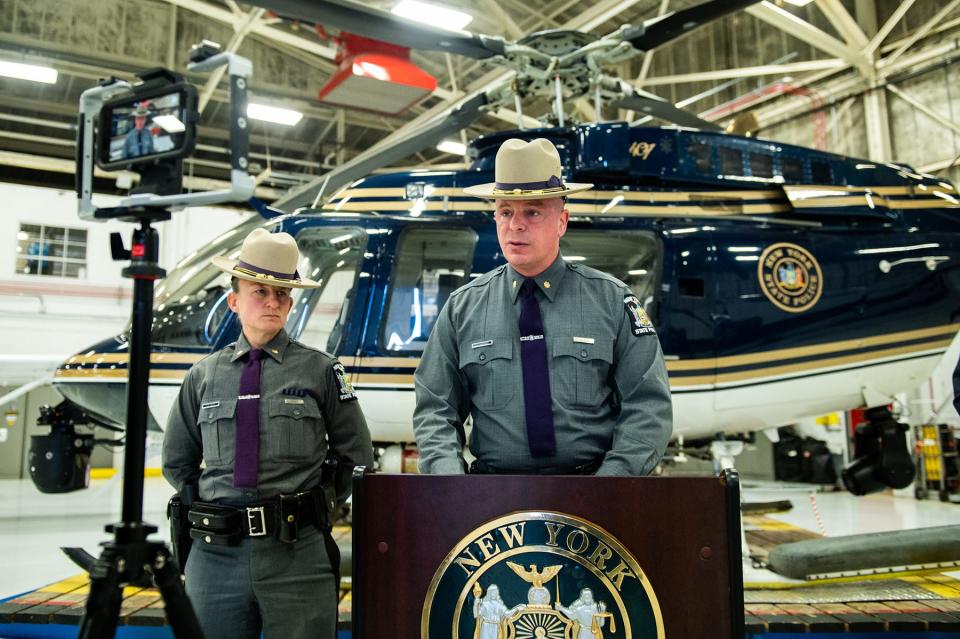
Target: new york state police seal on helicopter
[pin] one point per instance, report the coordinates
(540, 575)
(790, 277)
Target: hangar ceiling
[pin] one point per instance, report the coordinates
(759, 60)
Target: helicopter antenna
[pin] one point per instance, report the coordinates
(518, 108)
(559, 99)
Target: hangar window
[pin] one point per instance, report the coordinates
(761, 165)
(792, 169)
(731, 162)
(432, 263)
(821, 173)
(699, 154)
(51, 250)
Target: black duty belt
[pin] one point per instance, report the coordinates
(280, 517)
(480, 468)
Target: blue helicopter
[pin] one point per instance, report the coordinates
(784, 282)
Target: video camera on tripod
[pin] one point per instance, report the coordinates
(149, 126)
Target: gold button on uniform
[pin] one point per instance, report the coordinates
(546, 285)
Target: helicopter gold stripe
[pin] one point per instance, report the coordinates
(380, 378)
(935, 203)
(603, 197)
(702, 380)
(583, 209)
(123, 358)
(598, 196)
(877, 201)
(946, 332)
(682, 382)
(830, 362)
(682, 211)
(385, 362)
(873, 190)
(119, 373)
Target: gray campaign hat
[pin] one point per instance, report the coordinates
(526, 171)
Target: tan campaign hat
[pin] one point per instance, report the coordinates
(526, 171)
(268, 258)
(141, 111)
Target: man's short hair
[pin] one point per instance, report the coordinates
(235, 284)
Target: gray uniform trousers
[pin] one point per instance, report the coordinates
(270, 580)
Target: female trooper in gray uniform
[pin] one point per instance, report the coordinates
(558, 363)
(263, 414)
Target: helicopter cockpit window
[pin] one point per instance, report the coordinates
(633, 257)
(700, 154)
(761, 165)
(431, 264)
(331, 256)
(792, 169)
(191, 302)
(821, 173)
(731, 162)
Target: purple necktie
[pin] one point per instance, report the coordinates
(538, 407)
(246, 453)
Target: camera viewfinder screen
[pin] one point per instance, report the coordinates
(146, 127)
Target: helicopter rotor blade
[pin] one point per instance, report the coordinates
(656, 31)
(659, 108)
(353, 17)
(429, 134)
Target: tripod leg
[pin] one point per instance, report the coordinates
(183, 620)
(103, 603)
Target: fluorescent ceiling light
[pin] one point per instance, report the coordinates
(32, 72)
(170, 123)
(432, 14)
(799, 3)
(453, 147)
(286, 117)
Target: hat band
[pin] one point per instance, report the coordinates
(553, 184)
(256, 271)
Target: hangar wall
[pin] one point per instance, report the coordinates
(45, 318)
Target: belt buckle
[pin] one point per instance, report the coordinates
(257, 525)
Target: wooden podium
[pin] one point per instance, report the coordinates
(511, 557)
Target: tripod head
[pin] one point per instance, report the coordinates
(149, 126)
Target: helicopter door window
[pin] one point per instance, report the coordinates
(761, 165)
(701, 155)
(792, 169)
(731, 162)
(633, 257)
(331, 256)
(432, 263)
(821, 173)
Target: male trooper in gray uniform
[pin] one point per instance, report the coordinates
(557, 363)
(263, 415)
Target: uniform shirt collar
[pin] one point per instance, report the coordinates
(548, 282)
(274, 348)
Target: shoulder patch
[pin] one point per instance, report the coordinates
(344, 387)
(640, 322)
